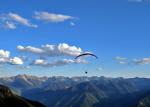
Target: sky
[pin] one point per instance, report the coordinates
(42, 38)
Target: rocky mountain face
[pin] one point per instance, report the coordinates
(8, 99)
(87, 94)
(145, 100)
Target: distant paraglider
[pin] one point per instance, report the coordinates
(86, 72)
(86, 54)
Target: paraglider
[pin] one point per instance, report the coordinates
(83, 55)
(86, 72)
(86, 54)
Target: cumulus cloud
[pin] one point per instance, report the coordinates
(61, 49)
(60, 62)
(44, 54)
(39, 62)
(11, 61)
(30, 49)
(81, 60)
(5, 58)
(4, 54)
(16, 61)
(45, 63)
(142, 61)
(11, 20)
(24, 58)
(51, 17)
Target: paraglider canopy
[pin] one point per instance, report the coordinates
(86, 54)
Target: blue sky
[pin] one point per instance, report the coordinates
(106, 28)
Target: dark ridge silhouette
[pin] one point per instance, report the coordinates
(8, 99)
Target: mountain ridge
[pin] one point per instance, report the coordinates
(80, 91)
(8, 99)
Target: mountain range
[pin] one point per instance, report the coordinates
(81, 91)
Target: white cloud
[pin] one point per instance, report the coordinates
(24, 58)
(30, 49)
(139, 1)
(21, 20)
(4, 60)
(9, 25)
(61, 49)
(51, 17)
(16, 61)
(4, 54)
(81, 60)
(122, 62)
(72, 24)
(40, 62)
(44, 53)
(62, 62)
(142, 61)
(120, 58)
(11, 20)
